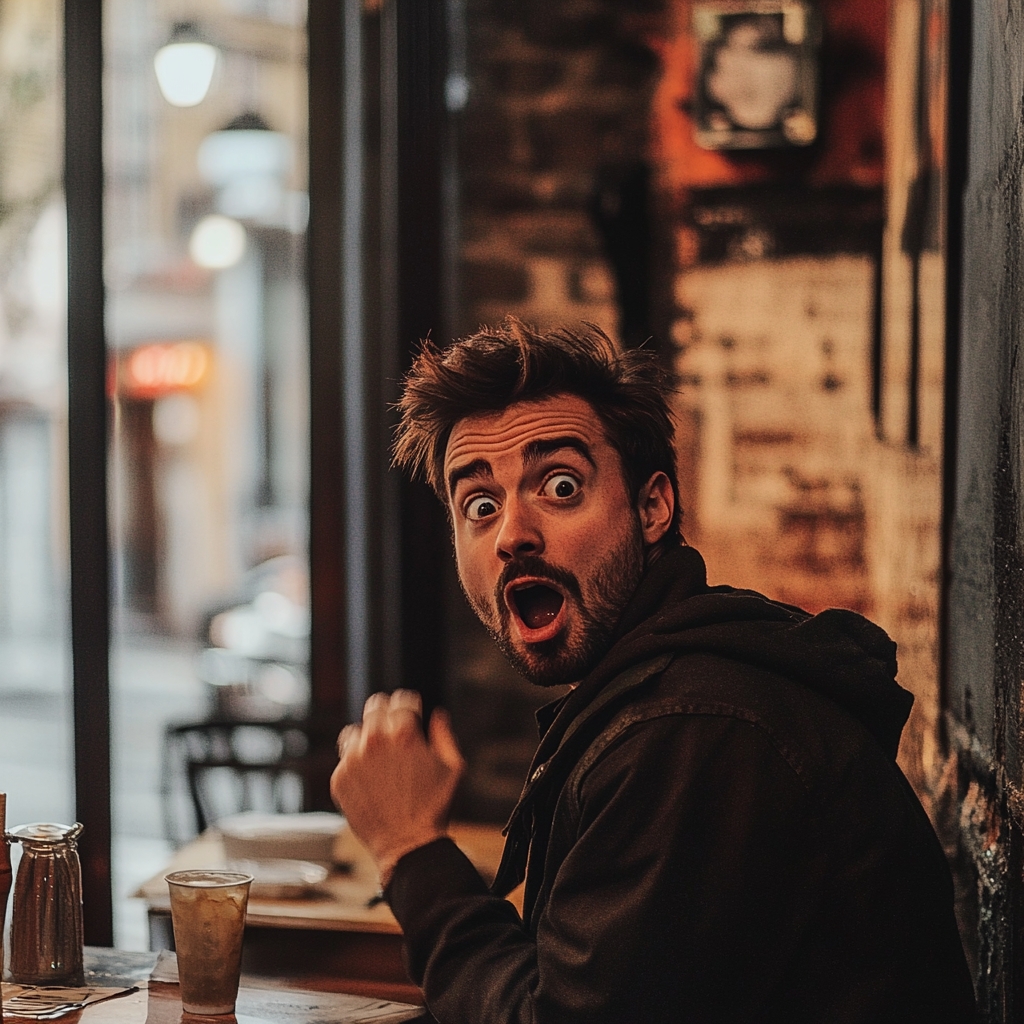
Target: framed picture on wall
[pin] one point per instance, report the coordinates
(757, 74)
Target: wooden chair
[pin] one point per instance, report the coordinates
(226, 766)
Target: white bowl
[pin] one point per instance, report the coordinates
(251, 836)
(280, 879)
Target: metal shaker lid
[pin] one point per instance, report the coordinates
(46, 832)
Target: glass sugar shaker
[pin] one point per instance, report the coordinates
(46, 919)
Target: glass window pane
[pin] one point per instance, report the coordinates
(204, 140)
(35, 709)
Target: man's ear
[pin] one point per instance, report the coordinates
(656, 505)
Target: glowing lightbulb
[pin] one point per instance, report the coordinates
(217, 242)
(184, 70)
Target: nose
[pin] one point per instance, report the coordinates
(520, 533)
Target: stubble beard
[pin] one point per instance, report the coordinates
(568, 657)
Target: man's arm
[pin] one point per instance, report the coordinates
(685, 882)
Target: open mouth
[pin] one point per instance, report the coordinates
(538, 607)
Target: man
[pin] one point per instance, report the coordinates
(714, 827)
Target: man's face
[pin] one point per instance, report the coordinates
(548, 542)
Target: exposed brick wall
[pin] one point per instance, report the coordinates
(767, 299)
(790, 489)
(797, 489)
(558, 89)
(773, 365)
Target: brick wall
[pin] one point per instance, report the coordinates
(764, 296)
(558, 90)
(790, 486)
(811, 478)
(560, 93)
(774, 392)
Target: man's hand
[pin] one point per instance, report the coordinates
(393, 784)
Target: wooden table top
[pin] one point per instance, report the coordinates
(341, 902)
(158, 1003)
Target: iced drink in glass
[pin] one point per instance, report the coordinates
(208, 916)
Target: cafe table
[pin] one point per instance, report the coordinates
(340, 936)
(259, 1001)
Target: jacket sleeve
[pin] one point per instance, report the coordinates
(683, 891)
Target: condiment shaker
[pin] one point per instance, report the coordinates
(5, 883)
(46, 920)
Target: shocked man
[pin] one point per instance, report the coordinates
(714, 827)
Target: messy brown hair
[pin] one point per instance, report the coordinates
(512, 362)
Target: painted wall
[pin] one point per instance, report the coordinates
(782, 289)
(810, 341)
(986, 622)
(804, 303)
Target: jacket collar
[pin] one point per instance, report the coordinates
(679, 573)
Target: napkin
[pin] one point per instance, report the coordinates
(48, 1002)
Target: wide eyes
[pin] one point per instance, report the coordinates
(481, 507)
(558, 486)
(561, 485)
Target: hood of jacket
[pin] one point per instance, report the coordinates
(837, 653)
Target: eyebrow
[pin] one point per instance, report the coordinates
(478, 467)
(536, 450)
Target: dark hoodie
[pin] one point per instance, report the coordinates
(714, 828)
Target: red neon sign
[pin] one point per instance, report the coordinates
(163, 367)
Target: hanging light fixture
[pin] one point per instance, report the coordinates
(184, 67)
(247, 163)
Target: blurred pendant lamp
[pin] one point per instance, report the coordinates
(247, 163)
(184, 67)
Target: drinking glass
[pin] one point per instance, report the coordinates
(208, 917)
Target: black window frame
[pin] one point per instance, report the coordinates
(403, 77)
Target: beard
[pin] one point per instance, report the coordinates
(568, 657)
